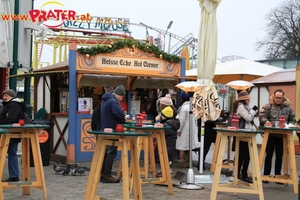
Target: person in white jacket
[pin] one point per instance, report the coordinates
(183, 133)
(245, 114)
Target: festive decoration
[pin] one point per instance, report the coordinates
(149, 48)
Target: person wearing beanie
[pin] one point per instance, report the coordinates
(120, 90)
(111, 114)
(165, 93)
(167, 119)
(13, 110)
(10, 92)
(246, 115)
(163, 103)
(166, 100)
(185, 97)
(167, 112)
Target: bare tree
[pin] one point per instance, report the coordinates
(283, 31)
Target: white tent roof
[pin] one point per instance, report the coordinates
(243, 67)
(238, 70)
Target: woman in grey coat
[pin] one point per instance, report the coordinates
(244, 112)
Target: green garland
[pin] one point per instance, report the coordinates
(94, 50)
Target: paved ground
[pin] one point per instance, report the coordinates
(73, 187)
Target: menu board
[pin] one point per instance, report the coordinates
(135, 106)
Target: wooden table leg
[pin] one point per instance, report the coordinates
(4, 142)
(263, 148)
(164, 161)
(218, 167)
(25, 164)
(95, 170)
(146, 155)
(256, 177)
(3, 152)
(151, 154)
(293, 171)
(38, 163)
(125, 169)
(236, 172)
(137, 189)
(286, 153)
(216, 151)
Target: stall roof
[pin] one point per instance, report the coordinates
(92, 78)
(285, 76)
(58, 66)
(51, 69)
(64, 67)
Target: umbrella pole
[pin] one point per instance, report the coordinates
(190, 177)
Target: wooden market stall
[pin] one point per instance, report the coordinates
(63, 89)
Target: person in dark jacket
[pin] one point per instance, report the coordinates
(13, 110)
(111, 114)
(279, 105)
(1, 105)
(167, 119)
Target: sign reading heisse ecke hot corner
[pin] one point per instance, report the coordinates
(129, 63)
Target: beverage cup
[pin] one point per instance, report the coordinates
(119, 128)
(276, 124)
(21, 122)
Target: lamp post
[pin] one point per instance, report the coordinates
(190, 87)
(168, 27)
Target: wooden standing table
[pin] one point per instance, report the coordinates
(29, 135)
(238, 186)
(121, 139)
(159, 135)
(228, 163)
(289, 161)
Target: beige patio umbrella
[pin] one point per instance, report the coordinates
(206, 102)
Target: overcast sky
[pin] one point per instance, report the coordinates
(240, 22)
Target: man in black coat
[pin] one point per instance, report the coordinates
(13, 110)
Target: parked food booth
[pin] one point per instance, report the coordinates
(69, 90)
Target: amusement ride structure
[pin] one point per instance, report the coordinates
(58, 38)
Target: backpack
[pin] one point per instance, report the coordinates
(95, 123)
(27, 120)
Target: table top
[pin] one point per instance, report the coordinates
(124, 133)
(144, 122)
(280, 129)
(220, 123)
(146, 127)
(26, 126)
(4, 130)
(240, 130)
